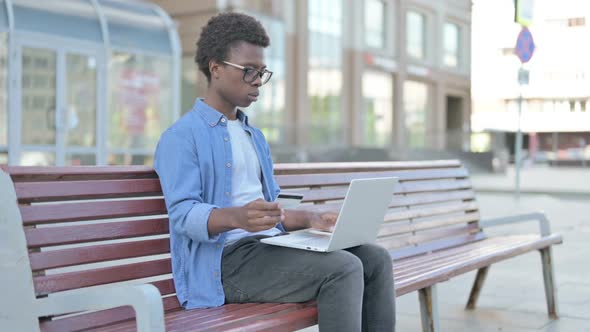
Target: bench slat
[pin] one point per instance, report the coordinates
(425, 248)
(63, 212)
(341, 167)
(400, 241)
(338, 193)
(400, 200)
(451, 257)
(50, 236)
(433, 197)
(73, 173)
(97, 253)
(427, 211)
(407, 226)
(304, 180)
(72, 280)
(65, 190)
(434, 185)
(405, 286)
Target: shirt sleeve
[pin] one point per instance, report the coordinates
(177, 164)
(274, 186)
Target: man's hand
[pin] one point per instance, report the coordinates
(324, 222)
(258, 215)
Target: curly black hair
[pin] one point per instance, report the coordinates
(222, 32)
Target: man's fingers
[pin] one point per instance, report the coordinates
(261, 204)
(264, 222)
(252, 214)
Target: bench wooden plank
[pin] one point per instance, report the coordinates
(429, 211)
(405, 286)
(69, 173)
(97, 253)
(51, 236)
(64, 212)
(92, 277)
(89, 189)
(328, 179)
(342, 167)
(401, 241)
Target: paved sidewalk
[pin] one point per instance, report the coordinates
(537, 180)
(513, 298)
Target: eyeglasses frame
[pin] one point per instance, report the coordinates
(245, 70)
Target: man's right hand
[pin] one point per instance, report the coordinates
(258, 215)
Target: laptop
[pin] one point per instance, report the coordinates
(358, 223)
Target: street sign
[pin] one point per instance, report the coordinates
(525, 45)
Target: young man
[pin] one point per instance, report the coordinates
(217, 177)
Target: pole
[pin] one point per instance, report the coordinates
(518, 141)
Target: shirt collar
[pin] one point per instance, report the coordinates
(213, 116)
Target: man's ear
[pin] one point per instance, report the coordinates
(214, 69)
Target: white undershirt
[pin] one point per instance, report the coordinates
(246, 176)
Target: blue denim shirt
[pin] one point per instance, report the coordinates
(194, 162)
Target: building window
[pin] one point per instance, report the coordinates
(451, 40)
(268, 113)
(416, 34)
(378, 108)
(140, 106)
(416, 101)
(325, 72)
(375, 26)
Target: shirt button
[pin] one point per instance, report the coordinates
(216, 274)
(228, 165)
(218, 246)
(223, 120)
(226, 139)
(227, 193)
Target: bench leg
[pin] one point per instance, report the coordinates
(476, 289)
(549, 280)
(429, 309)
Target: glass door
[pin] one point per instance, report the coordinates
(80, 109)
(58, 120)
(38, 125)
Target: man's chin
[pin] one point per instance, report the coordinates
(245, 103)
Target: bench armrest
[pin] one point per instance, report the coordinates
(540, 217)
(145, 300)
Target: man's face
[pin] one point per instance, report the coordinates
(231, 85)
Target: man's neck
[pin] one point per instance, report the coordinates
(220, 105)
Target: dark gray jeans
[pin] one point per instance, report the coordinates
(353, 287)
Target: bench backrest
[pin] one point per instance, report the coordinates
(90, 226)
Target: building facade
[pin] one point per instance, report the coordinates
(556, 102)
(85, 82)
(376, 74)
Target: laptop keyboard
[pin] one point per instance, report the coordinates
(310, 239)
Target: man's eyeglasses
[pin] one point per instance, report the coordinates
(251, 74)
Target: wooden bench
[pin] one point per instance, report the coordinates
(93, 238)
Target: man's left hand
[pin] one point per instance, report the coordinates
(324, 221)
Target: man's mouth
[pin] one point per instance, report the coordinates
(253, 96)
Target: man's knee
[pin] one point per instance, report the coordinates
(344, 263)
(374, 257)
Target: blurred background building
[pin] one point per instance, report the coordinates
(370, 79)
(556, 106)
(85, 82)
(97, 81)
